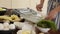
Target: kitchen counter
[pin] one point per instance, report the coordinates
(50, 32)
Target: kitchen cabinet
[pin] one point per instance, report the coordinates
(5, 3)
(19, 3)
(25, 3)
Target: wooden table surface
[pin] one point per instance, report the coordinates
(50, 32)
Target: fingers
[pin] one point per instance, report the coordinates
(39, 7)
(49, 17)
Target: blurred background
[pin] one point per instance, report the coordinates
(17, 4)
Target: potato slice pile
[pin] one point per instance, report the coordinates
(13, 18)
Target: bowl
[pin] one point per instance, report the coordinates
(44, 30)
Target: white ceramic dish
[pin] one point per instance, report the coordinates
(44, 30)
(29, 32)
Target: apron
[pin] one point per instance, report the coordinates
(51, 5)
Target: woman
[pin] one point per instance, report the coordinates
(53, 10)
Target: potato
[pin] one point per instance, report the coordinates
(15, 18)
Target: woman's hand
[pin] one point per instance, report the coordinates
(53, 13)
(39, 7)
(50, 17)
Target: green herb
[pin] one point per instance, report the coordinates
(47, 24)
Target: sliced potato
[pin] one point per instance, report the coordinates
(15, 18)
(5, 17)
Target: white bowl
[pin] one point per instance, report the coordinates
(11, 26)
(30, 32)
(44, 30)
(19, 24)
(1, 26)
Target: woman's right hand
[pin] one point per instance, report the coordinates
(39, 7)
